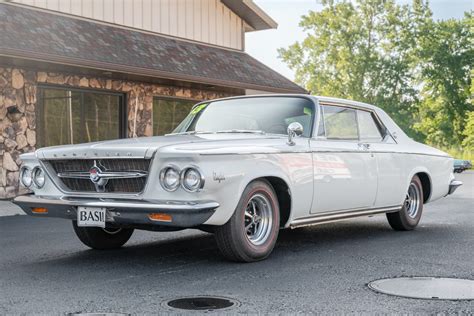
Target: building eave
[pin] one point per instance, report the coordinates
(39, 57)
(49, 38)
(252, 14)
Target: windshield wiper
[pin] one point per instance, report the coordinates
(190, 133)
(244, 131)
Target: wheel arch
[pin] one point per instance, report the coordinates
(283, 193)
(426, 185)
(426, 182)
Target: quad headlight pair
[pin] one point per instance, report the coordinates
(35, 176)
(190, 178)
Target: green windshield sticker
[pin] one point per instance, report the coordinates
(198, 108)
(308, 111)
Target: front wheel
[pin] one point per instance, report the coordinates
(102, 238)
(252, 231)
(410, 214)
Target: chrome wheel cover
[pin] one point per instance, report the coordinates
(258, 219)
(413, 200)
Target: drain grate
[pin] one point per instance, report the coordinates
(426, 288)
(201, 303)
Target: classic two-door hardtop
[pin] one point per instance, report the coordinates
(241, 168)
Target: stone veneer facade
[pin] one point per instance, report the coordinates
(18, 88)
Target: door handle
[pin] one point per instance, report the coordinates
(364, 146)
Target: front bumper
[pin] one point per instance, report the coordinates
(454, 185)
(123, 212)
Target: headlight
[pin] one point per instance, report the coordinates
(169, 178)
(25, 177)
(191, 179)
(38, 177)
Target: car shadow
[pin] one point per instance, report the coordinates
(201, 247)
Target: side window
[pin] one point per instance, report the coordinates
(368, 127)
(340, 123)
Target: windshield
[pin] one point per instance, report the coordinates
(263, 114)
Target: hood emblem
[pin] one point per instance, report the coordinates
(97, 177)
(94, 174)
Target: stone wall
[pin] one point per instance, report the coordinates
(18, 99)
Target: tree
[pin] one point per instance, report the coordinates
(396, 57)
(446, 57)
(362, 50)
(468, 141)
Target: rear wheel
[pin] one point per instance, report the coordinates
(410, 214)
(102, 238)
(252, 231)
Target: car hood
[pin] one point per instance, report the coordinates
(145, 147)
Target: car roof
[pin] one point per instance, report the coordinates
(322, 99)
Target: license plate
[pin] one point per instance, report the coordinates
(91, 216)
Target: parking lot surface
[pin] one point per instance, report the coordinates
(45, 269)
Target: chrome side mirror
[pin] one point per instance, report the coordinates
(294, 129)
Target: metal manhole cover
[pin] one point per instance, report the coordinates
(97, 314)
(426, 288)
(201, 303)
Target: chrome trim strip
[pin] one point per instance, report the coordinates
(138, 206)
(72, 157)
(104, 175)
(319, 151)
(328, 217)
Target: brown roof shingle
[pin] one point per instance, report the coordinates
(44, 36)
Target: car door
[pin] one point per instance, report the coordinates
(345, 170)
(391, 169)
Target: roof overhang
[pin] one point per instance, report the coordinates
(42, 37)
(252, 14)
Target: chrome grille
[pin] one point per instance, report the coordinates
(123, 185)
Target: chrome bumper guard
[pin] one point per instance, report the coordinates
(454, 185)
(123, 212)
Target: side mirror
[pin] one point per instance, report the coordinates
(294, 129)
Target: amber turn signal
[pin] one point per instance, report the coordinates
(160, 217)
(39, 210)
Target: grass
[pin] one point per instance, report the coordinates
(460, 153)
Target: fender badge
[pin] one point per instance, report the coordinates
(218, 177)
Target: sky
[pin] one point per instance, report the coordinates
(263, 45)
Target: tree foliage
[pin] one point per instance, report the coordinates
(394, 56)
(446, 56)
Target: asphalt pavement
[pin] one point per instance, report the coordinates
(44, 269)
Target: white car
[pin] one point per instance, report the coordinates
(242, 168)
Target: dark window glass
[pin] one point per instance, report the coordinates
(72, 116)
(368, 128)
(266, 114)
(168, 113)
(340, 123)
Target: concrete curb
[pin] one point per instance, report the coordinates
(7, 208)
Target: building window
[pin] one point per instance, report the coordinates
(70, 116)
(168, 113)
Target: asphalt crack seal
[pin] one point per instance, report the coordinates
(432, 288)
(202, 303)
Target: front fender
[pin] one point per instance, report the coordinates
(295, 169)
